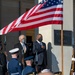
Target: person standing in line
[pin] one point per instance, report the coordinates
(29, 70)
(14, 66)
(39, 49)
(3, 63)
(23, 48)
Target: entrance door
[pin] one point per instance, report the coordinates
(30, 35)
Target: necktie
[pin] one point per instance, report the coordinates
(41, 44)
(24, 48)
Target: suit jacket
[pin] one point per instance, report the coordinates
(3, 64)
(18, 45)
(41, 53)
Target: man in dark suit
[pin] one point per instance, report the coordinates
(39, 49)
(3, 63)
(23, 48)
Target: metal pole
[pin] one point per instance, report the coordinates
(19, 12)
(5, 42)
(62, 49)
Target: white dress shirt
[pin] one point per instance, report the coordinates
(24, 48)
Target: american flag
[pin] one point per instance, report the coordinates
(46, 12)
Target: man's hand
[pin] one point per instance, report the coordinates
(43, 47)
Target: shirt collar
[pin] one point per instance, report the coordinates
(38, 41)
(21, 43)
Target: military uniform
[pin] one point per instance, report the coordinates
(28, 70)
(14, 67)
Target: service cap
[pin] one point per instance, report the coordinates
(28, 58)
(13, 51)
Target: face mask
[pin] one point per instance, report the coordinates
(40, 39)
(23, 41)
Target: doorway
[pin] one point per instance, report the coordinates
(30, 35)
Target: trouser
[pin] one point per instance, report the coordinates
(39, 68)
(1, 71)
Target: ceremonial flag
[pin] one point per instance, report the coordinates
(46, 12)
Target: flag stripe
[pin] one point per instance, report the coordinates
(10, 29)
(29, 12)
(39, 21)
(36, 8)
(41, 18)
(4, 29)
(51, 10)
(45, 14)
(33, 10)
(38, 25)
(10, 26)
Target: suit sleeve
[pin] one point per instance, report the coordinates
(4, 62)
(16, 46)
(37, 48)
(34, 48)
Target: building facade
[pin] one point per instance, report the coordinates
(12, 9)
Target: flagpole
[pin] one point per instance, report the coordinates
(19, 12)
(62, 58)
(5, 42)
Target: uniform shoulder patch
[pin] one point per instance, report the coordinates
(20, 64)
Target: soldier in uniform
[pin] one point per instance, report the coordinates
(29, 70)
(14, 67)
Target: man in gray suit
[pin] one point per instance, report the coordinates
(39, 50)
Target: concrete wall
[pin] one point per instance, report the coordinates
(68, 25)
